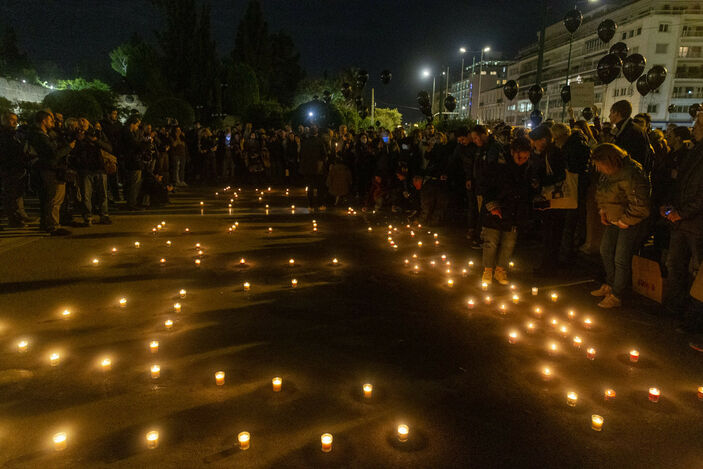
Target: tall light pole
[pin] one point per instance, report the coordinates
(480, 73)
(462, 51)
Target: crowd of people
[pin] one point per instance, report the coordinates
(501, 182)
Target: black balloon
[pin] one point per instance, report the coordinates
(386, 77)
(609, 68)
(606, 30)
(510, 89)
(358, 101)
(362, 113)
(694, 109)
(619, 49)
(572, 20)
(565, 94)
(423, 97)
(656, 76)
(642, 86)
(378, 123)
(361, 78)
(536, 117)
(633, 67)
(450, 103)
(346, 90)
(671, 108)
(587, 113)
(426, 109)
(535, 94)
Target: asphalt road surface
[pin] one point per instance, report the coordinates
(469, 397)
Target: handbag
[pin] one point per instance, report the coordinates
(563, 194)
(109, 162)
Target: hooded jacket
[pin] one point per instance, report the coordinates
(624, 196)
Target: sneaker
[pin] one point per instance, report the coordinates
(60, 232)
(610, 301)
(604, 290)
(501, 276)
(487, 276)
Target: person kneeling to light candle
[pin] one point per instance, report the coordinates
(622, 194)
(506, 194)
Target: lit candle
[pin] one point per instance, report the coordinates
(538, 311)
(54, 359)
(414, 255)
(564, 331)
(554, 323)
(244, 440)
(176, 307)
(197, 245)
(123, 302)
(220, 378)
(516, 299)
(66, 314)
(106, 364)
(416, 268)
(247, 286)
(152, 439)
(114, 250)
(406, 261)
(450, 283)
(634, 356)
(484, 286)
(155, 371)
(577, 342)
(571, 399)
(326, 440)
(419, 244)
(22, 346)
(335, 261)
(654, 394)
(591, 353)
(136, 244)
(546, 374)
(463, 272)
(182, 293)
(503, 309)
(609, 394)
(168, 324)
(487, 299)
(535, 291)
(512, 337)
(163, 261)
(597, 422)
(471, 303)
(511, 265)
(700, 392)
(403, 431)
(432, 263)
(291, 262)
(96, 261)
(202, 203)
(154, 346)
(197, 262)
(187, 230)
(555, 297)
(294, 283)
(270, 229)
(587, 323)
(277, 382)
(368, 390)
(471, 263)
(60, 441)
(513, 286)
(370, 229)
(168, 244)
(530, 327)
(553, 348)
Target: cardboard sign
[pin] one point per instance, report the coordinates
(647, 278)
(583, 94)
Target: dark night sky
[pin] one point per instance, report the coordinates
(403, 36)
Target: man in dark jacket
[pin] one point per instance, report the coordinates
(463, 168)
(112, 127)
(13, 172)
(51, 154)
(685, 212)
(506, 192)
(87, 159)
(313, 155)
(628, 136)
(133, 149)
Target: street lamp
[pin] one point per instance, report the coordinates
(426, 74)
(480, 73)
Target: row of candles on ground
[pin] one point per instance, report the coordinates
(243, 438)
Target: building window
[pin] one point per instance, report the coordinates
(632, 33)
(662, 48)
(663, 28)
(624, 36)
(652, 108)
(639, 31)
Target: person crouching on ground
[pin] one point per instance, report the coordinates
(506, 194)
(622, 194)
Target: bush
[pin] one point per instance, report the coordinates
(5, 105)
(266, 114)
(72, 103)
(323, 115)
(164, 109)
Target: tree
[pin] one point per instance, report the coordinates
(252, 44)
(162, 110)
(73, 103)
(389, 118)
(13, 63)
(242, 89)
(144, 75)
(5, 105)
(265, 114)
(286, 72)
(119, 59)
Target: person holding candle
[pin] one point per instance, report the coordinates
(622, 195)
(506, 195)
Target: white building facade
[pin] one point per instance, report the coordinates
(665, 32)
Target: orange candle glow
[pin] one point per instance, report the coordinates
(276, 383)
(244, 440)
(634, 356)
(591, 353)
(597, 422)
(571, 399)
(168, 324)
(176, 307)
(247, 286)
(326, 440)
(155, 371)
(609, 394)
(403, 432)
(154, 346)
(654, 394)
(220, 378)
(60, 441)
(152, 439)
(512, 337)
(368, 390)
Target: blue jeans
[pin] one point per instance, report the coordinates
(94, 183)
(497, 244)
(616, 249)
